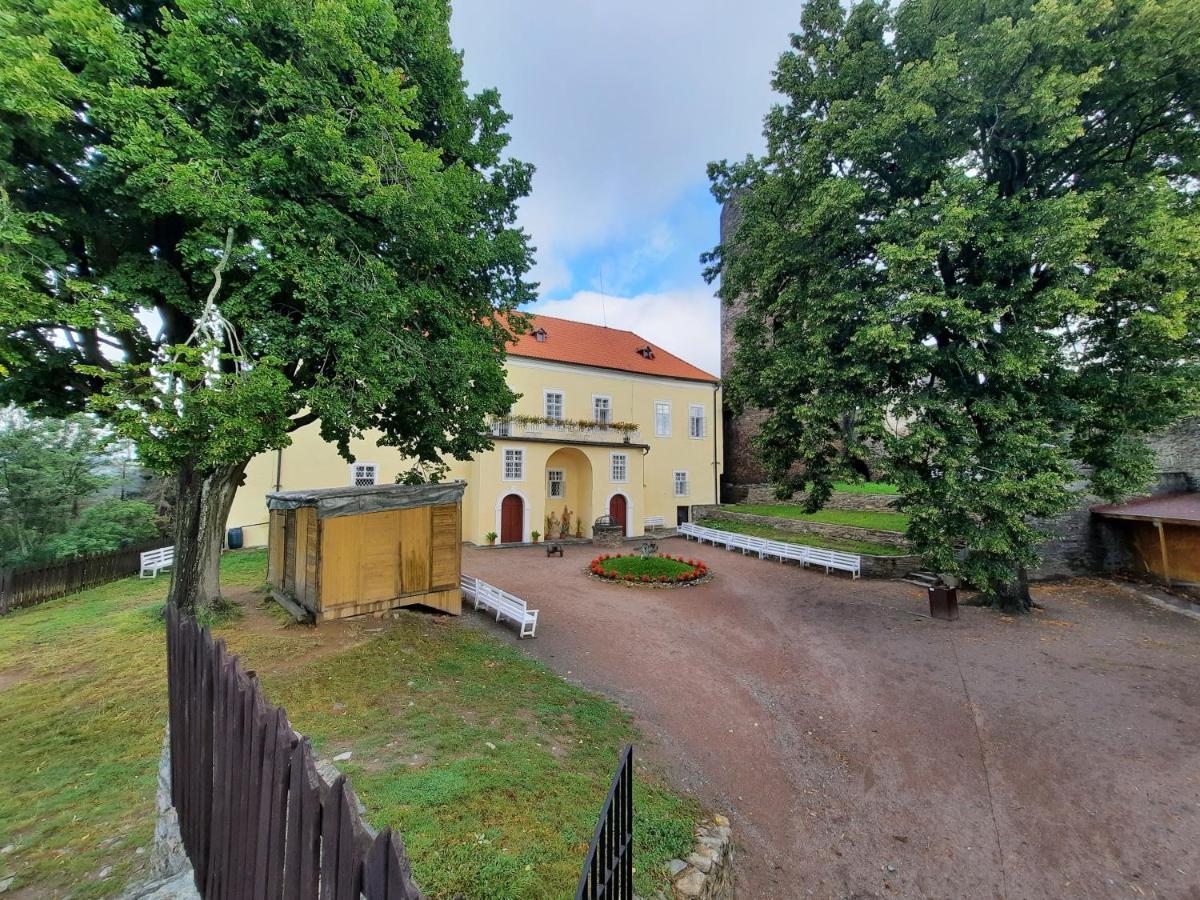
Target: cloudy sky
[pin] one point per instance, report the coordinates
(620, 105)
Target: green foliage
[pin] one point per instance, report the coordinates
(864, 487)
(303, 200)
(974, 234)
(109, 525)
(48, 467)
(653, 566)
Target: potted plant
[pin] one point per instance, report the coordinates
(535, 534)
(579, 528)
(491, 537)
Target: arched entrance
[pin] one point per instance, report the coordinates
(568, 491)
(618, 509)
(512, 520)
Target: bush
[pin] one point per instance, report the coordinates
(107, 526)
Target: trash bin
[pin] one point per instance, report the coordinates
(943, 602)
(233, 539)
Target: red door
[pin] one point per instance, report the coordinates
(616, 509)
(512, 520)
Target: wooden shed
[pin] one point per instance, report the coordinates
(343, 552)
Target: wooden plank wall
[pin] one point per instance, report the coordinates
(27, 585)
(256, 819)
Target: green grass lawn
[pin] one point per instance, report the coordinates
(491, 766)
(859, 518)
(652, 566)
(812, 540)
(865, 487)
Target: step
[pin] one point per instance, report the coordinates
(920, 578)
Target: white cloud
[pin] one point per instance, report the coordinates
(684, 322)
(620, 104)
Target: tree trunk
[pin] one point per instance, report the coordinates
(201, 509)
(1014, 596)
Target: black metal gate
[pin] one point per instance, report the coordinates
(608, 869)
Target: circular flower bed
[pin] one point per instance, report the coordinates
(652, 570)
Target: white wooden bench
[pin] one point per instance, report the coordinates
(655, 522)
(154, 561)
(782, 550)
(502, 603)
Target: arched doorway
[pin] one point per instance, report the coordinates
(512, 520)
(617, 510)
(568, 490)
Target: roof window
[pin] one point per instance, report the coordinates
(539, 335)
(647, 352)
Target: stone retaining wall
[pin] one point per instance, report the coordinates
(707, 873)
(765, 493)
(797, 526)
(872, 566)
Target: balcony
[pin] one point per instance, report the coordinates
(573, 430)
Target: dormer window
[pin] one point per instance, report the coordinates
(647, 352)
(540, 335)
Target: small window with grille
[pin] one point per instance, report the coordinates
(555, 483)
(364, 474)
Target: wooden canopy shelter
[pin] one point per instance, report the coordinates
(1163, 535)
(348, 551)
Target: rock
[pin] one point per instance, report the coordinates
(676, 866)
(7, 849)
(105, 872)
(342, 757)
(691, 884)
(139, 851)
(703, 863)
(339, 706)
(721, 821)
(890, 867)
(490, 745)
(7, 883)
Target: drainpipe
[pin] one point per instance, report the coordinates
(279, 469)
(716, 456)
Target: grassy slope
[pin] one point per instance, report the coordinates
(864, 487)
(418, 702)
(791, 537)
(859, 518)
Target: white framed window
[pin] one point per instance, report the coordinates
(514, 464)
(601, 408)
(696, 420)
(662, 418)
(681, 483)
(620, 466)
(364, 474)
(556, 483)
(553, 404)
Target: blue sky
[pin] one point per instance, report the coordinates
(620, 105)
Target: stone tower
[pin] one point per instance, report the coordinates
(743, 472)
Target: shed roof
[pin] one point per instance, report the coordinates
(1183, 509)
(353, 501)
(582, 344)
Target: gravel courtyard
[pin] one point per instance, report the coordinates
(864, 750)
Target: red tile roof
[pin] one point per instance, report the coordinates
(581, 344)
(1183, 508)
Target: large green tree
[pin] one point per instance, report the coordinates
(974, 233)
(221, 220)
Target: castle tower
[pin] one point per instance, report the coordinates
(743, 471)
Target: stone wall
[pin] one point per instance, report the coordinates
(797, 526)
(612, 536)
(1081, 543)
(707, 873)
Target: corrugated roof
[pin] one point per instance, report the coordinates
(581, 344)
(1166, 507)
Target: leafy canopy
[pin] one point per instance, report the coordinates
(975, 233)
(222, 219)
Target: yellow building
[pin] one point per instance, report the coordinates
(607, 424)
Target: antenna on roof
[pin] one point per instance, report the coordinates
(603, 305)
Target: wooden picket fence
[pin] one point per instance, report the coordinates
(256, 818)
(37, 583)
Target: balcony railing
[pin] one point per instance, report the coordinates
(586, 429)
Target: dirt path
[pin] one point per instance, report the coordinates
(864, 750)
